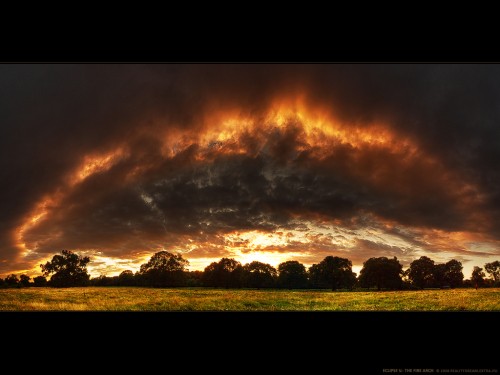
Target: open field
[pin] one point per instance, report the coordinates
(199, 299)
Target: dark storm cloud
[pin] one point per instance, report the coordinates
(53, 115)
(188, 196)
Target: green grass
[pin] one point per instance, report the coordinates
(200, 299)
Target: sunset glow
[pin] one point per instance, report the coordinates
(223, 168)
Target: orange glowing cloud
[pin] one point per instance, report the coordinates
(299, 139)
(225, 130)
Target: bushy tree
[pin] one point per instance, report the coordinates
(259, 275)
(453, 275)
(332, 272)
(102, 280)
(493, 269)
(194, 278)
(126, 278)
(39, 281)
(67, 270)
(439, 275)
(421, 272)
(292, 275)
(24, 280)
(164, 269)
(381, 273)
(477, 277)
(12, 280)
(226, 273)
(447, 275)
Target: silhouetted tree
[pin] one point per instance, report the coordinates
(226, 273)
(493, 269)
(382, 273)
(126, 278)
(68, 269)
(164, 269)
(102, 280)
(332, 272)
(292, 275)
(211, 275)
(477, 277)
(439, 275)
(24, 280)
(2, 283)
(194, 278)
(12, 280)
(421, 272)
(453, 275)
(447, 275)
(39, 281)
(259, 275)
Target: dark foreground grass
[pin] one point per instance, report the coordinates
(200, 299)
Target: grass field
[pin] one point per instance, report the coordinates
(199, 299)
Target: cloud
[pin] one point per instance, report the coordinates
(130, 158)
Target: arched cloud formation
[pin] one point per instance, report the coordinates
(252, 161)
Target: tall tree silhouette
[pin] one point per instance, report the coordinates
(259, 275)
(102, 280)
(453, 275)
(39, 281)
(439, 275)
(477, 277)
(12, 280)
(126, 278)
(292, 275)
(24, 280)
(164, 269)
(226, 273)
(67, 270)
(332, 272)
(382, 273)
(421, 272)
(493, 269)
(194, 278)
(447, 274)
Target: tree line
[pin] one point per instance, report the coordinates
(165, 269)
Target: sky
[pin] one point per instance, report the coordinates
(253, 162)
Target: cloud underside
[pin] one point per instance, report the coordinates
(213, 168)
(203, 198)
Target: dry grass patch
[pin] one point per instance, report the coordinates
(203, 299)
